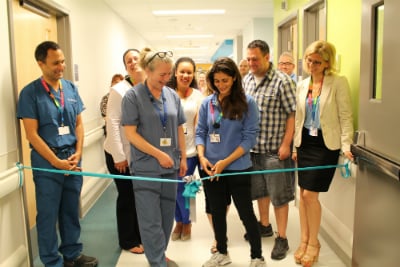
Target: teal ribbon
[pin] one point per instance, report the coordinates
(190, 191)
(192, 187)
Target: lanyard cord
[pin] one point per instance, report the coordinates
(163, 116)
(216, 122)
(313, 102)
(59, 106)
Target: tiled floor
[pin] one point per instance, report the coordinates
(197, 250)
(99, 236)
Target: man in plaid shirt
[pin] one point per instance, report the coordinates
(274, 93)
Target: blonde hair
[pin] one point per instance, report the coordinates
(144, 54)
(148, 58)
(326, 50)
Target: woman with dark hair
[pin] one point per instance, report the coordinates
(185, 84)
(117, 153)
(226, 131)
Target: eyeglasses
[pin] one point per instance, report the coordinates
(313, 62)
(161, 55)
(286, 64)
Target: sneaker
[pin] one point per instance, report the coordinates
(265, 231)
(171, 263)
(258, 262)
(217, 259)
(280, 249)
(82, 261)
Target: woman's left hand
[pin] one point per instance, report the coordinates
(349, 155)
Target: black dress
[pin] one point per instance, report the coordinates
(313, 152)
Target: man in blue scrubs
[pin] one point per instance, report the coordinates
(50, 108)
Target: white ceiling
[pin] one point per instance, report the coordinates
(238, 15)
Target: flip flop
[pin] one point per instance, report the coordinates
(137, 250)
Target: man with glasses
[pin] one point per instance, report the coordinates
(286, 65)
(274, 93)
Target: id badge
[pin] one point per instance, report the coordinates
(215, 138)
(62, 130)
(165, 141)
(313, 131)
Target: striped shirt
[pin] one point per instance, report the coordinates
(275, 97)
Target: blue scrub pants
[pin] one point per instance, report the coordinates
(57, 200)
(155, 207)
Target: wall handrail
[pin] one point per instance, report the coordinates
(9, 181)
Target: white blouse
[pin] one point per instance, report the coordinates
(116, 143)
(191, 106)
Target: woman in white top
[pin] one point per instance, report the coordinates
(185, 84)
(117, 151)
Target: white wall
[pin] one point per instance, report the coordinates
(13, 243)
(8, 142)
(99, 39)
(338, 206)
(259, 28)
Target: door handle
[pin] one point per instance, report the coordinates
(364, 156)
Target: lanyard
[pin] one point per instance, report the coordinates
(128, 79)
(313, 102)
(59, 106)
(163, 116)
(216, 123)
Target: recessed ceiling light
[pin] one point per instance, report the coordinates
(189, 36)
(189, 12)
(191, 48)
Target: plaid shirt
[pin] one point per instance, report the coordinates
(275, 97)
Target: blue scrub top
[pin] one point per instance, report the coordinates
(35, 103)
(232, 133)
(138, 109)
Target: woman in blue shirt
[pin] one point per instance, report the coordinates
(226, 131)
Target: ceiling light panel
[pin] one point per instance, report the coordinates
(189, 12)
(190, 36)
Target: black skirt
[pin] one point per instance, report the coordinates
(313, 152)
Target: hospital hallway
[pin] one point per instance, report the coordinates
(99, 237)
